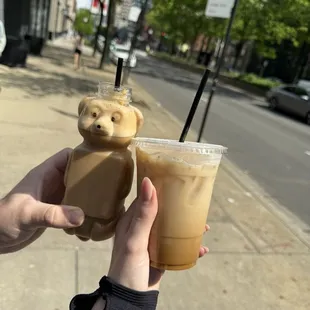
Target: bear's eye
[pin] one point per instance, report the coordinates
(116, 117)
(94, 114)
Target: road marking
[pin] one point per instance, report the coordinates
(231, 200)
(307, 153)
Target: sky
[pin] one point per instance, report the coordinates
(83, 3)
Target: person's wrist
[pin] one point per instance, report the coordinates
(141, 299)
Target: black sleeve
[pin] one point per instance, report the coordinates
(117, 297)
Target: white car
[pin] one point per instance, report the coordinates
(2, 38)
(122, 51)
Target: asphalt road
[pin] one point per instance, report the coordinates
(272, 148)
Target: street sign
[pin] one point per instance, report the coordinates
(219, 8)
(134, 13)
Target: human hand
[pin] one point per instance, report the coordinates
(130, 263)
(32, 205)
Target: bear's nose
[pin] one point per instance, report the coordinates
(98, 126)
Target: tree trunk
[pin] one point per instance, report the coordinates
(205, 41)
(301, 63)
(191, 50)
(108, 33)
(134, 40)
(239, 48)
(101, 3)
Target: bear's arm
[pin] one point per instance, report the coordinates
(67, 169)
(127, 184)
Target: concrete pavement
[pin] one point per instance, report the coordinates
(258, 259)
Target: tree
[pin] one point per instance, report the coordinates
(83, 22)
(108, 32)
(134, 40)
(267, 22)
(101, 4)
(184, 20)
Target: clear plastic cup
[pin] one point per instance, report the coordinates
(183, 175)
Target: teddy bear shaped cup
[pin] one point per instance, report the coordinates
(100, 170)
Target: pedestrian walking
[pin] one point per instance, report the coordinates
(79, 43)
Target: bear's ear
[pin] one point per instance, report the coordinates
(85, 101)
(140, 118)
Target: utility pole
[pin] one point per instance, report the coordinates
(134, 41)
(218, 68)
(101, 3)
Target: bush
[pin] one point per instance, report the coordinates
(253, 79)
(177, 59)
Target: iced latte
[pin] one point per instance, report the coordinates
(183, 175)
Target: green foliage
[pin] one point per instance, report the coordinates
(84, 22)
(267, 22)
(183, 20)
(176, 60)
(253, 79)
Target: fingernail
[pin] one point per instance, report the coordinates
(146, 190)
(75, 216)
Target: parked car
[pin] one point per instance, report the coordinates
(100, 43)
(2, 37)
(122, 51)
(294, 99)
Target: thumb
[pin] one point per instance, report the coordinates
(145, 214)
(48, 215)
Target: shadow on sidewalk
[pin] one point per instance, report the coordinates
(64, 57)
(48, 84)
(71, 115)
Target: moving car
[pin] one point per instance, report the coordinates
(294, 99)
(122, 51)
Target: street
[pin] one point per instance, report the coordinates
(270, 147)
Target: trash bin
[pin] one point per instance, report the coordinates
(16, 51)
(36, 45)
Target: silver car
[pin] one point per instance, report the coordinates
(294, 99)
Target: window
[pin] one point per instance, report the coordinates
(289, 89)
(300, 92)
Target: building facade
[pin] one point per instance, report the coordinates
(25, 17)
(35, 20)
(61, 17)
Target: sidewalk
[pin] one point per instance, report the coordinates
(258, 259)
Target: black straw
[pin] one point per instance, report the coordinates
(194, 106)
(118, 76)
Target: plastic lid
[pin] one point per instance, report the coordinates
(121, 94)
(174, 145)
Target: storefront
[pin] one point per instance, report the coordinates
(27, 18)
